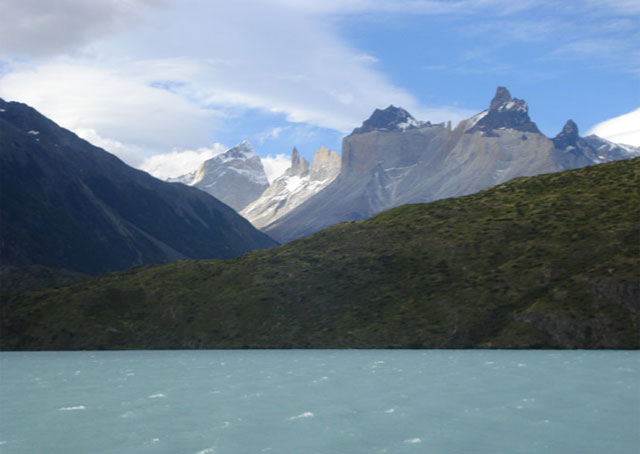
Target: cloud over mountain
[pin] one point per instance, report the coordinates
(622, 129)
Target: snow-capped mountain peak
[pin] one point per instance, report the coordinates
(236, 176)
(504, 112)
(502, 102)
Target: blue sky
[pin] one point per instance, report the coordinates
(165, 84)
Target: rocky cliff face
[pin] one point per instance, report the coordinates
(68, 204)
(393, 159)
(299, 183)
(236, 177)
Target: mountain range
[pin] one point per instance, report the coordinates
(394, 159)
(62, 197)
(549, 261)
(68, 204)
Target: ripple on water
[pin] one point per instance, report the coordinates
(306, 414)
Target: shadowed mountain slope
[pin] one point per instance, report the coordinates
(65, 203)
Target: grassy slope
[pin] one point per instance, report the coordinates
(548, 261)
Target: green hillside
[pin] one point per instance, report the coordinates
(544, 262)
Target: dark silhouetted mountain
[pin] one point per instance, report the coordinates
(68, 204)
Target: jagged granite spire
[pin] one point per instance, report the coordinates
(298, 183)
(390, 119)
(567, 137)
(501, 98)
(299, 166)
(504, 112)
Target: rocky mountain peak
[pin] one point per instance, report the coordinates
(243, 150)
(504, 112)
(501, 98)
(567, 137)
(326, 164)
(324, 156)
(235, 177)
(502, 101)
(390, 119)
(299, 165)
(572, 151)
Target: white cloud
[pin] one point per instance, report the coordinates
(114, 103)
(273, 56)
(37, 28)
(181, 162)
(366, 58)
(177, 163)
(624, 129)
(423, 7)
(272, 133)
(274, 166)
(278, 56)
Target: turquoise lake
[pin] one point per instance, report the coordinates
(315, 401)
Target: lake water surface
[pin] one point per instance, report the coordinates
(296, 401)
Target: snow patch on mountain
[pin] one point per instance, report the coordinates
(471, 122)
(294, 187)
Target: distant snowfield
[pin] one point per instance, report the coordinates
(624, 129)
